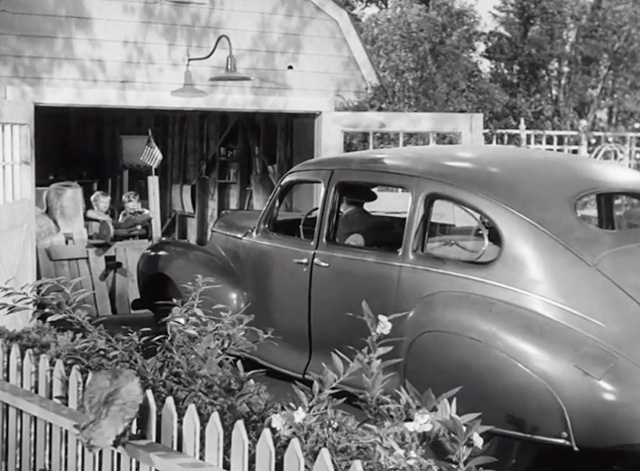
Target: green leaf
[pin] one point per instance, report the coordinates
(469, 417)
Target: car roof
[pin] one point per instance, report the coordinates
(540, 185)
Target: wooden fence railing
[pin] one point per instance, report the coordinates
(38, 412)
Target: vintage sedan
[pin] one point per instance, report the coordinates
(519, 269)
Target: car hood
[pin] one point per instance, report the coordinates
(236, 223)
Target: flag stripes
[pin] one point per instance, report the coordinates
(151, 154)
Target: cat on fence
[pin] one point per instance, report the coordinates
(111, 401)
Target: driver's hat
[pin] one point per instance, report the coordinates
(357, 193)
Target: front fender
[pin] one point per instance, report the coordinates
(512, 363)
(166, 266)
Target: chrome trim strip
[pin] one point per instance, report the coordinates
(228, 234)
(536, 438)
(455, 274)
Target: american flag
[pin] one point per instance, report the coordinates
(151, 154)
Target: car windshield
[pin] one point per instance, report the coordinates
(610, 211)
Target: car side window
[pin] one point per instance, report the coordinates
(457, 232)
(294, 213)
(369, 215)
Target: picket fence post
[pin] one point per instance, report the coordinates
(148, 422)
(29, 376)
(42, 428)
(293, 458)
(239, 448)
(323, 461)
(169, 424)
(191, 432)
(12, 422)
(75, 381)
(265, 452)
(57, 435)
(214, 441)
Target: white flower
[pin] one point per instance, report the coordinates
(384, 326)
(478, 441)
(420, 423)
(299, 415)
(277, 421)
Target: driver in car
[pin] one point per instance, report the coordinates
(355, 224)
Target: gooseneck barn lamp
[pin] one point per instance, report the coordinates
(230, 73)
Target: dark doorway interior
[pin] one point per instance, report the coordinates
(229, 152)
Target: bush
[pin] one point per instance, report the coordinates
(198, 361)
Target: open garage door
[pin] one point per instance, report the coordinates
(17, 209)
(340, 131)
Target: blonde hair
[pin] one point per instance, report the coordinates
(99, 195)
(130, 196)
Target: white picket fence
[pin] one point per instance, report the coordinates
(36, 429)
(625, 146)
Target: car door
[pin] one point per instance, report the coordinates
(279, 271)
(345, 275)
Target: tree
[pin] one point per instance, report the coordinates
(427, 57)
(562, 61)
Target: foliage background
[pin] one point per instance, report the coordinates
(551, 62)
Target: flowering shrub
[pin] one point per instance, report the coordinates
(198, 361)
(404, 430)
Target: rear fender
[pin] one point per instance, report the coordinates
(494, 351)
(166, 266)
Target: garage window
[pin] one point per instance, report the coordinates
(454, 231)
(14, 165)
(610, 211)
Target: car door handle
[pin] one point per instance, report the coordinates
(301, 261)
(320, 263)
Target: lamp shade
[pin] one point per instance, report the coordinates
(188, 89)
(231, 73)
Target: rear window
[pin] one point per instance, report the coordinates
(610, 211)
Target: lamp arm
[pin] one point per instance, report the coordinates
(215, 46)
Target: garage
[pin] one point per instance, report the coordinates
(86, 83)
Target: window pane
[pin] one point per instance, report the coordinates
(457, 232)
(294, 212)
(610, 211)
(370, 216)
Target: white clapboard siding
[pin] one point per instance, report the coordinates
(40, 442)
(82, 70)
(148, 17)
(106, 43)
